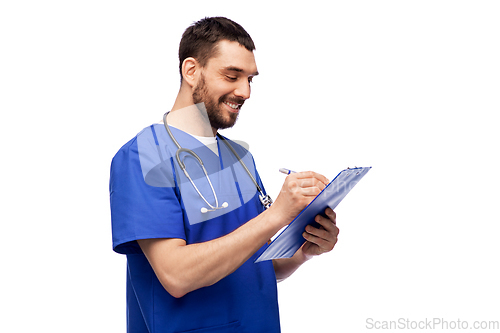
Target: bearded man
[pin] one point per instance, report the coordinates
(188, 207)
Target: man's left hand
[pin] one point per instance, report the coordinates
(323, 239)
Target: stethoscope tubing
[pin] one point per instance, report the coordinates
(265, 199)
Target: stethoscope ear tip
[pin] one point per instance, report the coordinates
(204, 210)
(224, 205)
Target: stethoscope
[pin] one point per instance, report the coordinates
(264, 198)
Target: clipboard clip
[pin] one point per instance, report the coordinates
(355, 167)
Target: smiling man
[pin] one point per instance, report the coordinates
(224, 78)
(191, 233)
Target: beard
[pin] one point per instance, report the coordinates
(213, 106)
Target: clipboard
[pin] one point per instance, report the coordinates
(290, 239)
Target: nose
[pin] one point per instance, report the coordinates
(243, 90)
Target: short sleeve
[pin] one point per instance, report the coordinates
(142, 209)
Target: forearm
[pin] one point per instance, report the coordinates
(206, 263)
(287, 266)
(183, 268)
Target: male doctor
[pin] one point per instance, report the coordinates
(194, 271)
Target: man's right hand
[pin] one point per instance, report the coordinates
(298, 190)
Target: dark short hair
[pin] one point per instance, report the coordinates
(200, 39)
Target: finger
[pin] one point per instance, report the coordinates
(327, 230)
(319, 232)
(328, 224)
(323, 245)
(303, 188)
(331, 214)
(311, 174)
(310, 182)
(310, 191)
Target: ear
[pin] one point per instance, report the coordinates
(190, 71)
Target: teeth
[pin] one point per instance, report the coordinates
(232, 105)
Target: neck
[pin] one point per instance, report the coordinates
(189, 117)
(192, 119)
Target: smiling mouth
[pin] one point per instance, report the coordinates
(233, 106)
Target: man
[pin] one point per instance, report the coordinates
(192, 269)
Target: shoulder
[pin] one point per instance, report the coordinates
(143, 140)
(146, 134)
(146, 154)
(139, 153)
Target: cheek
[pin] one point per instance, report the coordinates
(224, 97)
(218, 90)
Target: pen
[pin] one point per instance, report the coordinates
(286, 171)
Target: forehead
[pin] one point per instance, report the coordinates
(232, 55)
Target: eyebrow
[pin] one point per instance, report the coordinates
(237, 69)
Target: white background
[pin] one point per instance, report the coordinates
(410, 88)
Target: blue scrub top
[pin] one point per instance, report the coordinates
(152, 198)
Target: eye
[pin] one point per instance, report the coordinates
(231, 78)
(250, 79)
